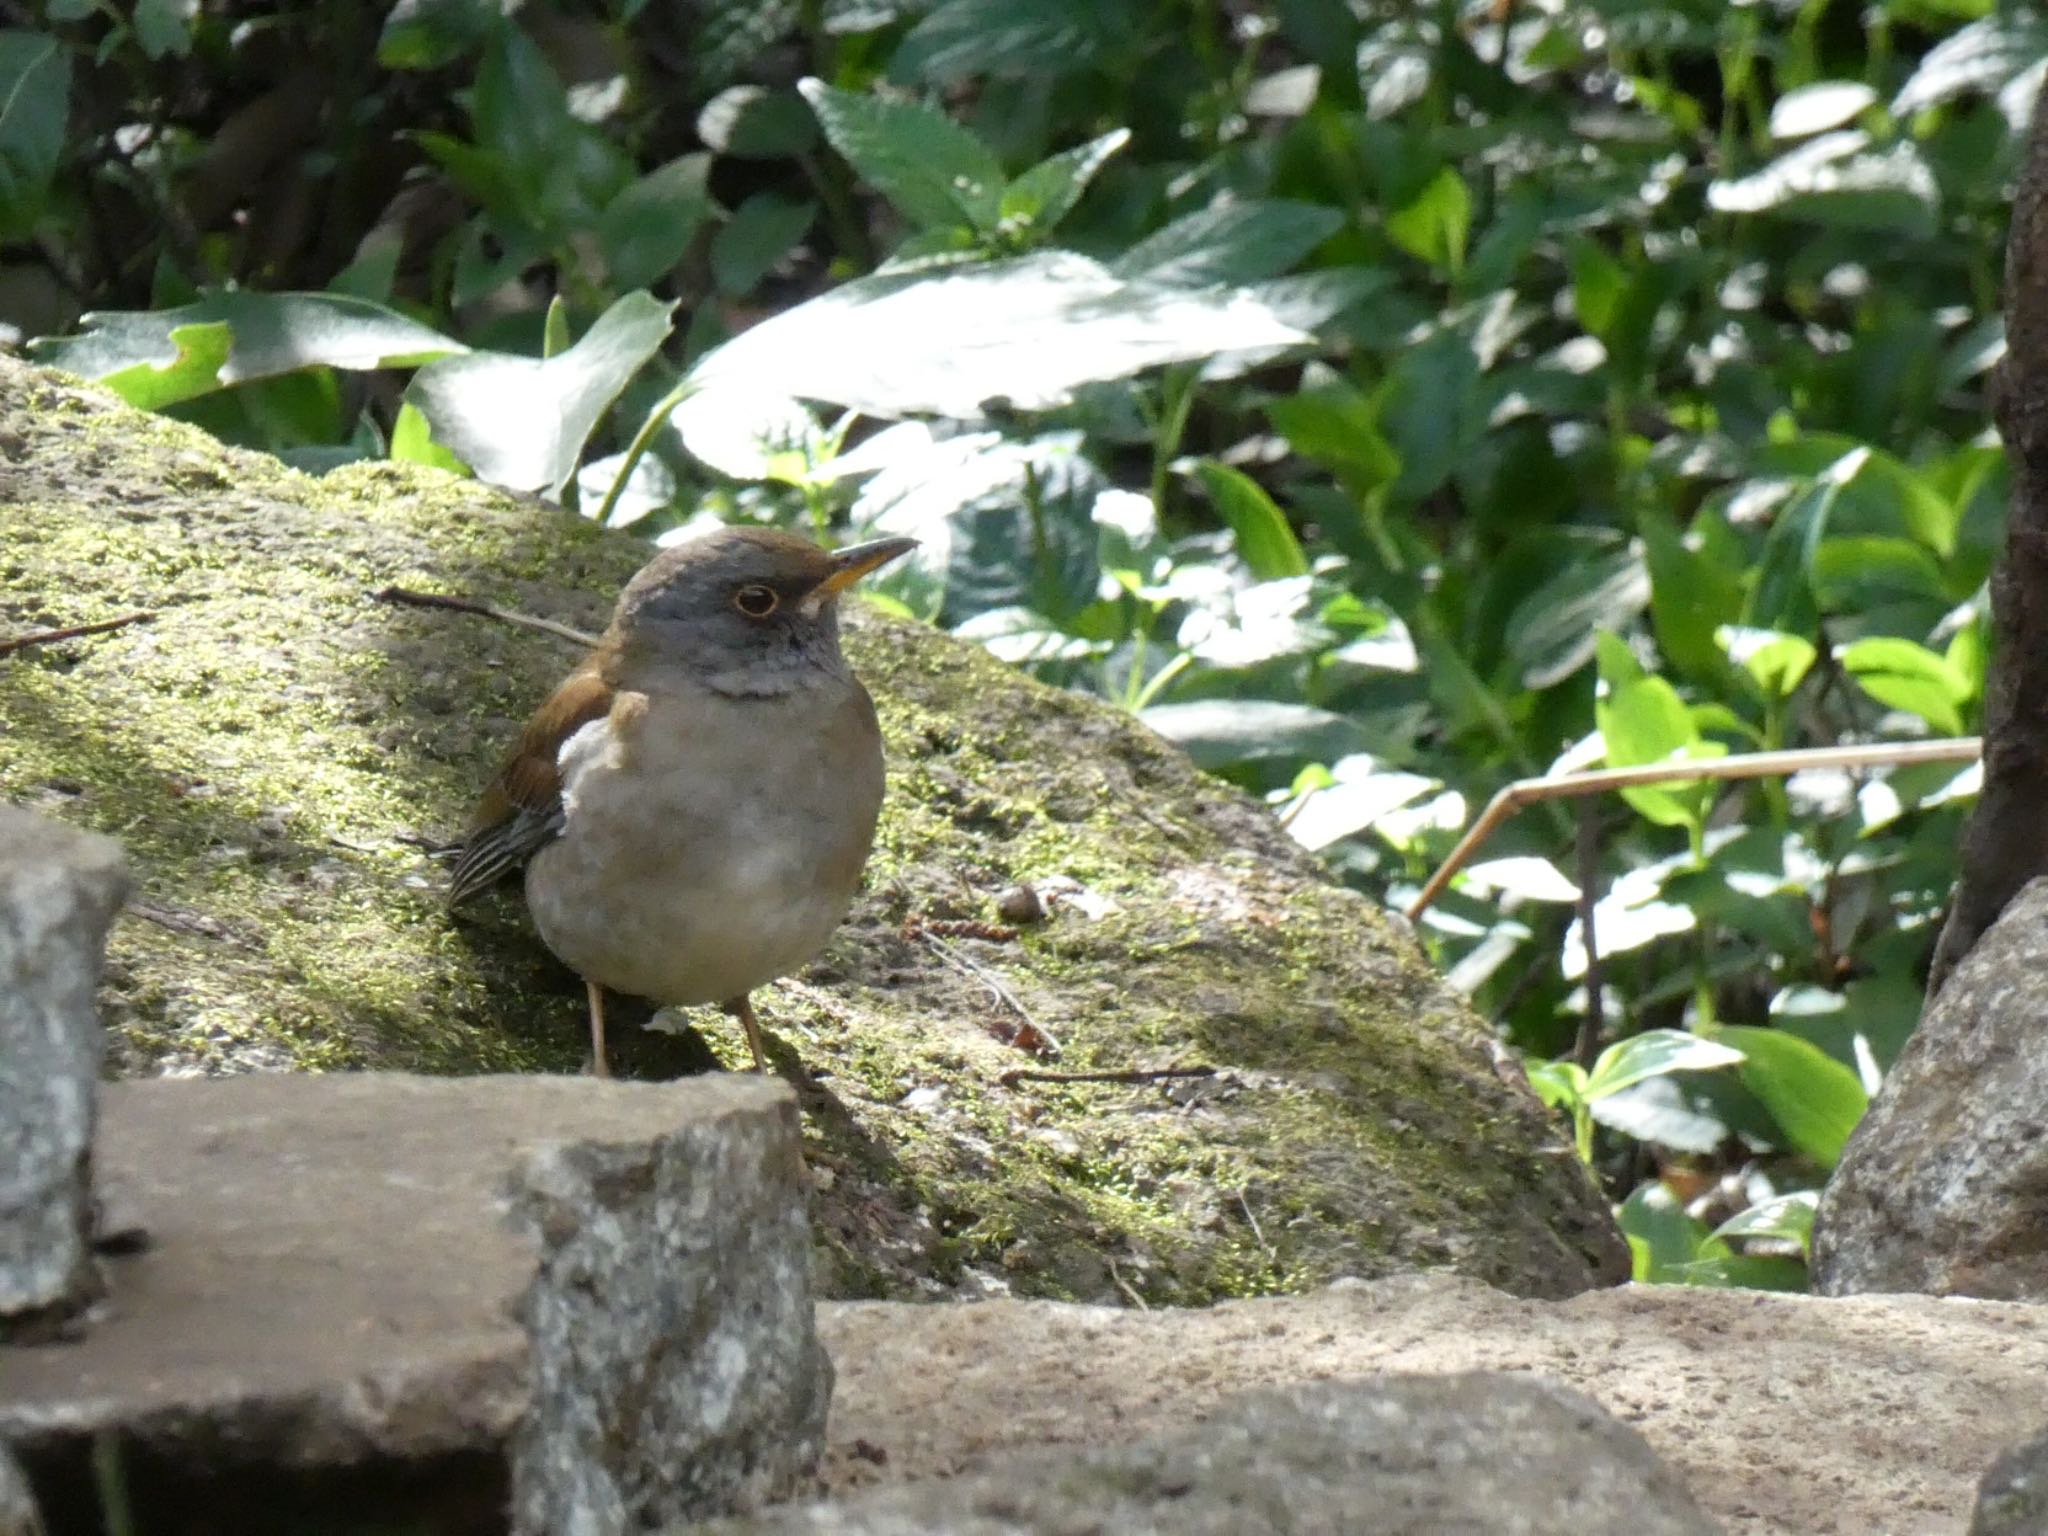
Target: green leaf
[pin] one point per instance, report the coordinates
(1229, 242)
(751, 122)
(645, 230)
(1662, 1237)
(1815, 108)
(932, 169)
(35, 105)
(1432, 413)
(1219, 732)
(412, 442)
(1815, 1100)
(1047, 193)
(521, 422)
(428, 34)
(272, 333)
(1907, 676)
(1029, 330)
(1338, 427)
(1788, 1218)
(1436, 223)
(163, 28)
(1552, 631)
(1776, 663)
(1559, 1084)
(199, 352)
(1691, 593)
(1655, 1053)
(1643, 720)
(762, 230)
(1265, 542)
(1874, 579)
(1013, 39)
(1840, 181)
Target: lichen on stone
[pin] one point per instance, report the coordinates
(276, 747)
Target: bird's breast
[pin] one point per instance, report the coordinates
(709, 844)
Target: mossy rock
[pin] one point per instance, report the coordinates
(275, 746)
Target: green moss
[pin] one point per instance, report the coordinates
(275, 745)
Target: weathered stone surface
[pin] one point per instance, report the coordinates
(1392, 1456)
(269, 743)
(1944, 1186)
(675, 1360)
(1786, 1415)
(330, 1278)
(18, 1515)
(2013, 1498)
(59, 890)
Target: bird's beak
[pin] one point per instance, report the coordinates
(852, 563)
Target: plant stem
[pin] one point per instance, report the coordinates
(637, 449)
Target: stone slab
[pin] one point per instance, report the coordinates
(1478, 1452)
(329, 1277)
(1785, 1415)
(59, 890)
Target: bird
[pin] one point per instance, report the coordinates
(694, 805)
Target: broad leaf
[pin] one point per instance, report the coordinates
(1229, 242)
(35, 103)
(1265, 542)
(932, 169)
(1046, 193)
(1029, 330)
(647, 228)
(272, 333)
(1909, 677)
(1015, 39)
(1436, 223)
(1219, 732)
(1655, 1053)
(521, 422)
(1815, 1100)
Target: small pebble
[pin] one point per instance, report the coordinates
(1020, 904)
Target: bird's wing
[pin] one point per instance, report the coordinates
(522, 809)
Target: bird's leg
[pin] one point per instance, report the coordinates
(743, 1010)
(599, 1067)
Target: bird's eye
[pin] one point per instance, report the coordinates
(756, 602)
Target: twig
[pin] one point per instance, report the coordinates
(1264, 1246)
(1016, 1075)
(406, 598)
(15, 643)
(1587, 1048)
(1047, 1043)
(1744, 765)
(1125, 1286)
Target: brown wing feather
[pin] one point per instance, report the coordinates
(522, 809)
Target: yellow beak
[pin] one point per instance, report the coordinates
(852, 563)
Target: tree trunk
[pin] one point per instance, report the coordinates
(2006, 844)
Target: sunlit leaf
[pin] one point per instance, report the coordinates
(1815, 1100)
(1656, 1053)
(521, 422)
(271, 333)
(1029, 330)
(1909, 677)
(1265, 542)
(932, 169)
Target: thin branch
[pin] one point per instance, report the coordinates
(1031, 1035)
(15, 643)
(405, 598)
(1586, 1049)
(1744, 765)
(1016, 1075)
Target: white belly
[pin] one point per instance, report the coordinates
(696, 861)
